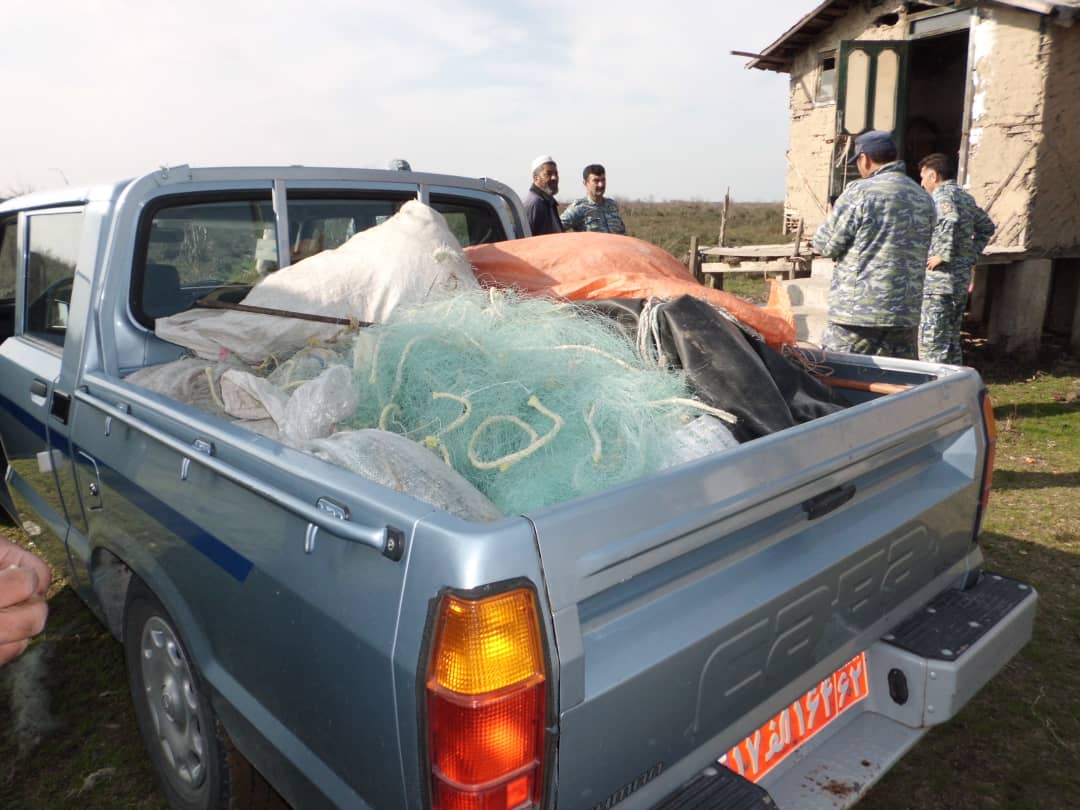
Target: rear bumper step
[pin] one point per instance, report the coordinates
(942, 655)
(717, 787)
(953, 622)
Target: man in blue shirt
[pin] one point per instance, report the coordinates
(594, 212)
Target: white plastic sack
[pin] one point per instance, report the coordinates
(698, 438)
(187, 380)
(405, 466)
(318, 405)
(252, 398)
(406, 260)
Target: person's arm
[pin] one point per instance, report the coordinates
(573, 217)
(984, 230)
(24, 581)
(943, 240)
(617, 224)
(534, 213)
(835, 236)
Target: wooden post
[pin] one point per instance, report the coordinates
(723, 217)
(693, 259)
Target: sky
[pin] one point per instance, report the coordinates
(99, 90)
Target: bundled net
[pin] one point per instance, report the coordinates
(532, 401)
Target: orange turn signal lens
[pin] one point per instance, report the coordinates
(487, 644)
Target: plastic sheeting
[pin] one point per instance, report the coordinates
(728, 368)
(405, 466)
(592, 266)
(409, 259)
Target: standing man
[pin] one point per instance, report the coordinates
(962, 231)
(540, 207)
(594, 212)
(879, 234)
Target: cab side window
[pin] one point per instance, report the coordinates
(192, 248)
(53, 238)
(9, 264)
(472, 223)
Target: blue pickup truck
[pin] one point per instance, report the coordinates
(773, 625)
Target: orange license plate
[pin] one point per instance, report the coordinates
(775, 740)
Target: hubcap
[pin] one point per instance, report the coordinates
(174, 707)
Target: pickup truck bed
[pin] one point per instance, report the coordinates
(716, 611)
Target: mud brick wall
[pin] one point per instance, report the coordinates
(813, 126)
(1055, 211)
(1011, 54)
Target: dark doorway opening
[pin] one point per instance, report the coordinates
(937, 79)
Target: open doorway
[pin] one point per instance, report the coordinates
(937, 74)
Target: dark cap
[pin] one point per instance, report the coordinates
(874, 143)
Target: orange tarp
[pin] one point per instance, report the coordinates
(590, 266)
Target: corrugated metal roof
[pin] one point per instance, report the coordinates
(779, 55)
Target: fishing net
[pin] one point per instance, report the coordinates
(532, 401)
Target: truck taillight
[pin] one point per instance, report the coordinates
(991, 452)
(486, 703)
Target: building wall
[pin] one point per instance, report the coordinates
(1010, 51)
(1055, 217)
(1026, 71)
(813, 126)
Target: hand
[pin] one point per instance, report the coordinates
(24, 581)
(934, 262)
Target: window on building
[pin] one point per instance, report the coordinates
(826, 84)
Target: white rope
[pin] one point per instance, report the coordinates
(725, 416)
(503, 463)
(597, 452)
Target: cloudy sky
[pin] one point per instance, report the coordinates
(98, 90)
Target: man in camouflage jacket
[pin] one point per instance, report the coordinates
(879, 234)
(594, 212)
(962, 231)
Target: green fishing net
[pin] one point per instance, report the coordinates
(533, 401)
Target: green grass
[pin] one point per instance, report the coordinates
(1016, 746)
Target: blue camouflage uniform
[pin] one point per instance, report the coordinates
(962, 231)
(586, 215)
(879, 233)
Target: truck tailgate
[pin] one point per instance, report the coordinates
(690, 608)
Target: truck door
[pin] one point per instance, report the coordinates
(33, 412)
(871, 80)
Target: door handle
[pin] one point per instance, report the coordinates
(39, 388)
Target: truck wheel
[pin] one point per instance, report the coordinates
(196, 764)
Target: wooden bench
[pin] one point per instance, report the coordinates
(788, 260)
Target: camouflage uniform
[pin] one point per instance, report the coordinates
(585, 215)
(962, 231)
(878, 233)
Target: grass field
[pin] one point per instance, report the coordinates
(68, 736)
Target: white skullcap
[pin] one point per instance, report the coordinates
(540, 161)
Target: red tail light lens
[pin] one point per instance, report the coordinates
(486, 699)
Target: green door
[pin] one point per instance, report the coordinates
(870, 94)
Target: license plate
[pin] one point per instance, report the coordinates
(771, 744)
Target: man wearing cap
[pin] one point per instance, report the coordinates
(541, 210)
(962, 231)
(879, 234)
(594, 212)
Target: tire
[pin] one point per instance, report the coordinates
(196, 763)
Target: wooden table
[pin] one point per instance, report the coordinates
(784, 259)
